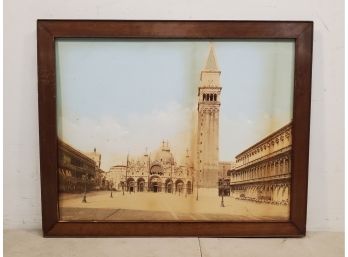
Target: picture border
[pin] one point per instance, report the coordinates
(50, 30)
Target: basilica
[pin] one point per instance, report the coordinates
(157, 172)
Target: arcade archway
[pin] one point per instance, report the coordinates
(179, 186)
(130, 185)
(169, 186)
(155, 184)
(141, 185)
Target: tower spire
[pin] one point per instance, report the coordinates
(211, 63)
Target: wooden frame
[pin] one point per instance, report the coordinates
(49, 30)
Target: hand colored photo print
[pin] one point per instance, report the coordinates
(170, 130)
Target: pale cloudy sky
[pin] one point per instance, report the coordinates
(125, 96)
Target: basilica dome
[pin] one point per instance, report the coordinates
(164, 155)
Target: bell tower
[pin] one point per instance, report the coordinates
(209, 90)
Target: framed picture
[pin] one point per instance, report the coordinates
(174, 128)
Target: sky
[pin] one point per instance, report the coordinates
(127, 96)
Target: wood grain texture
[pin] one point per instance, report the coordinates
(49, 30)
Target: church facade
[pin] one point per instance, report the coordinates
(158, 172)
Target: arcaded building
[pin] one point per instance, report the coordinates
(76, 170)
(262, 172)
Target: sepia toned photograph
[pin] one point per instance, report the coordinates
(174, 130)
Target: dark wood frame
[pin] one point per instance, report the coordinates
(49, 30)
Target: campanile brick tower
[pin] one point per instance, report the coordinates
(209, 90)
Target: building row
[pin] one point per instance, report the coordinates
(79, 171)
(262, 172)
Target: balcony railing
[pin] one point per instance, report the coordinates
(263, 179)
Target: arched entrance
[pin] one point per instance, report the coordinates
(155, 184)
(179, 186)
(169, 186)
(141, 184)
(155, 187)
(130, 185)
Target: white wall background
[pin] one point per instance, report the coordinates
(22, 207)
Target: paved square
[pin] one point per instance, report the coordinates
(165, 206)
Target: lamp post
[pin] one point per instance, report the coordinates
(111, 185)
(222, 190)
(84, 178)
